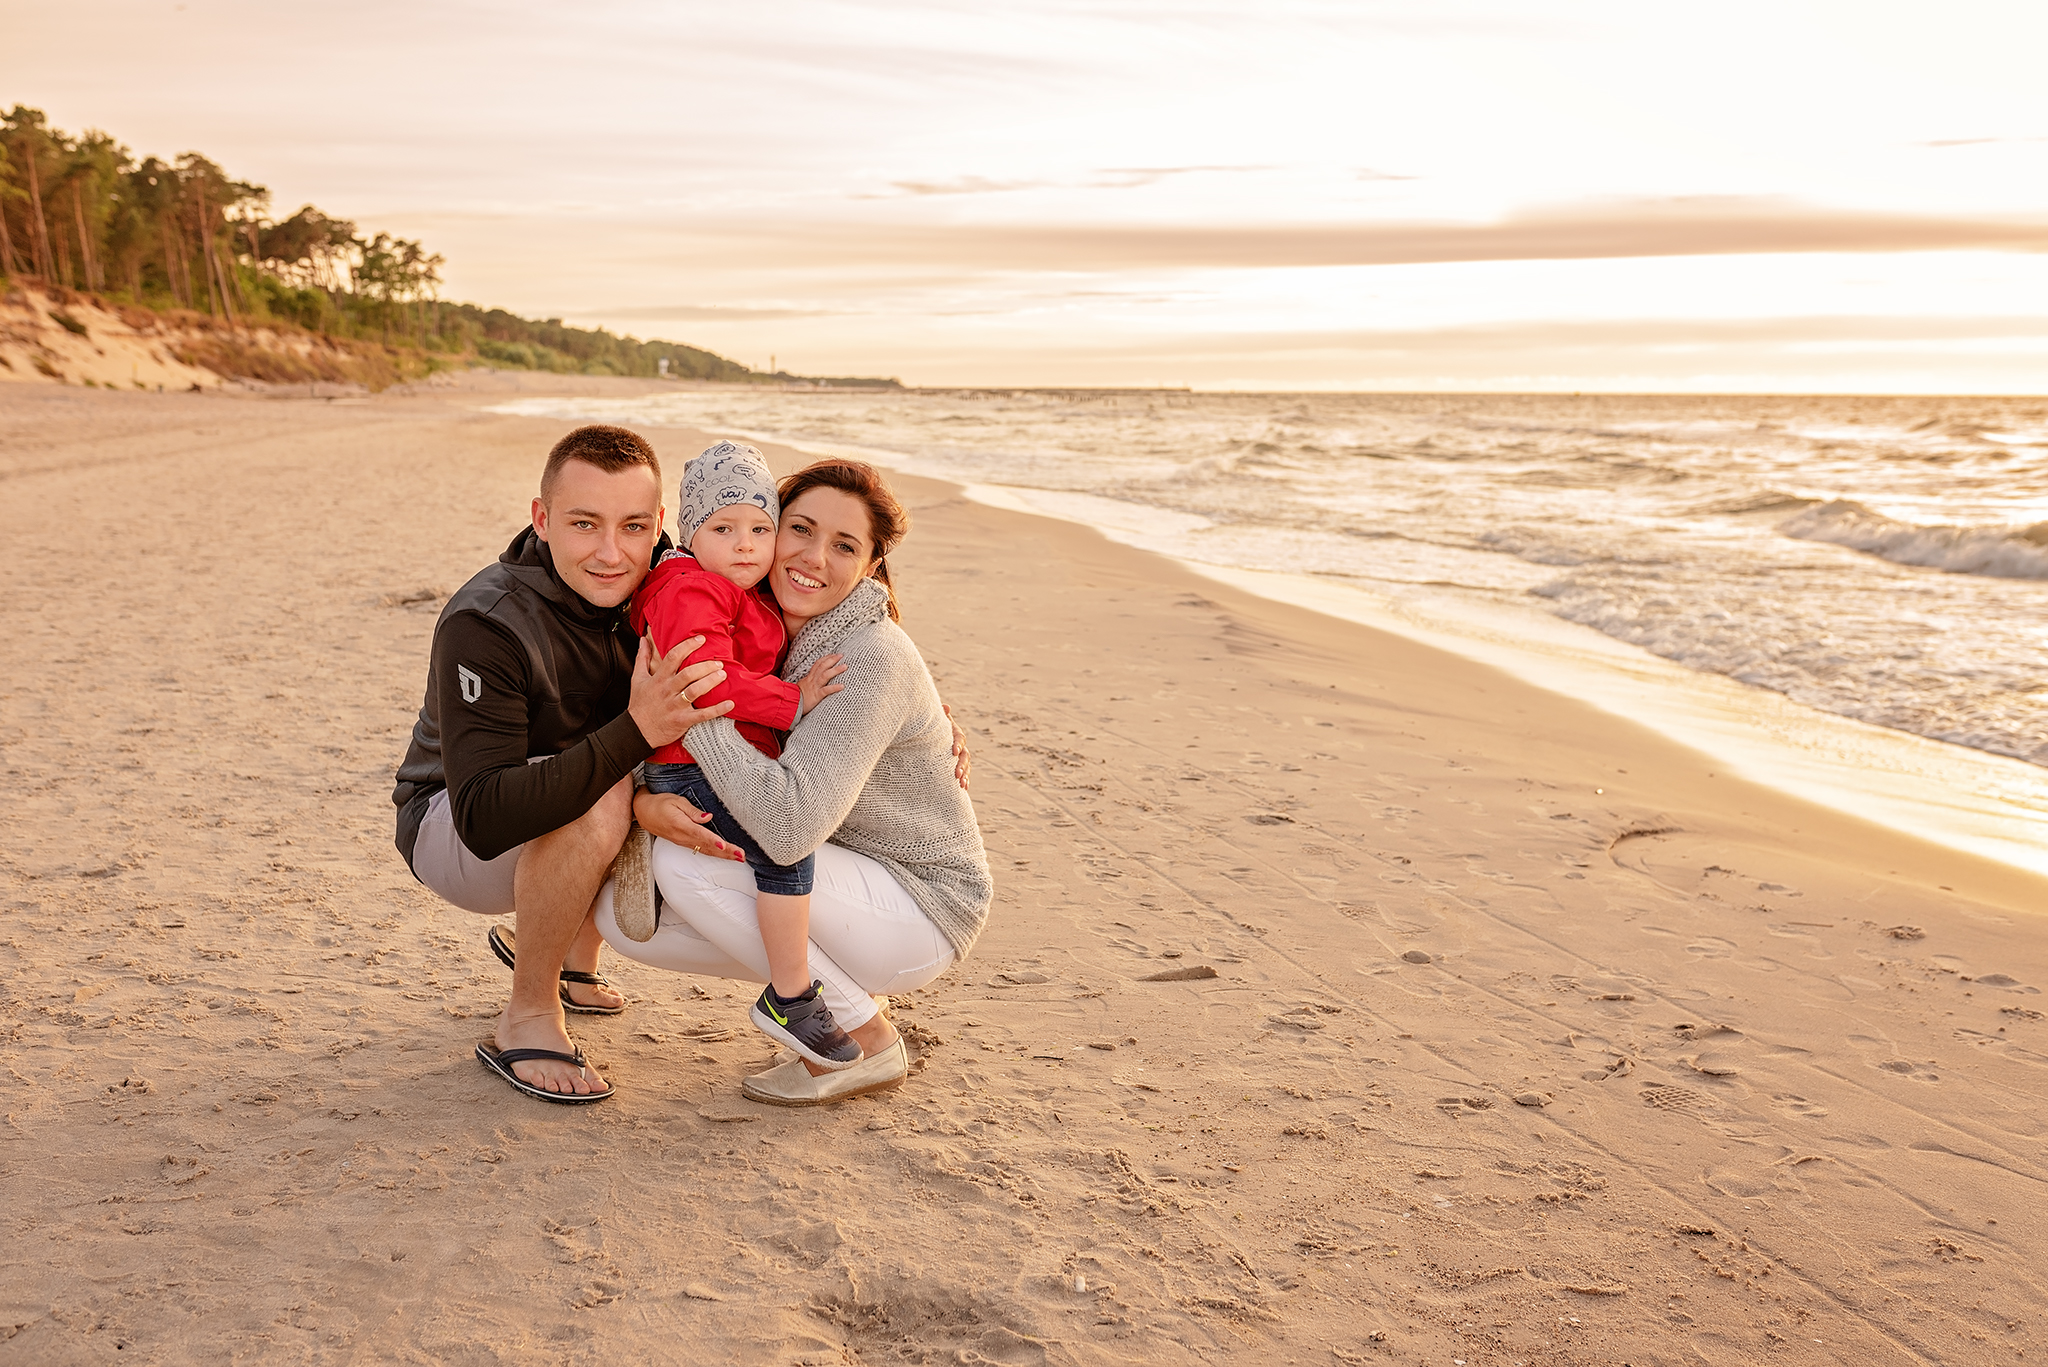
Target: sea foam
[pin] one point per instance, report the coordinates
(2002, 552)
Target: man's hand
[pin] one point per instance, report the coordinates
(665, 691)
(673, 819)
(962, 761)
(817, 685)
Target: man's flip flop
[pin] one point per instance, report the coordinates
(569, 1003)
(506, 947)
(500, 1061)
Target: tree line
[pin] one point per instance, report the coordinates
(84, 213)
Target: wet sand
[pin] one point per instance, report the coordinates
(1344, 1001)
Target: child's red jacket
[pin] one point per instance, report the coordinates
(681, 599)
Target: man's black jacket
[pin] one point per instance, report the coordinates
(522, 667)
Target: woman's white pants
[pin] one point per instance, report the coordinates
(868, 938)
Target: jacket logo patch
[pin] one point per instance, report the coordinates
(472, 686)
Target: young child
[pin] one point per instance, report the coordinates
(726, 516)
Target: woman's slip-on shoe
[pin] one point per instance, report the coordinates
(633, 897)
(791, 1084)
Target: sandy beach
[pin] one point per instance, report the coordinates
(1344, 1001)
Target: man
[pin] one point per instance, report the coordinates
(516, 791)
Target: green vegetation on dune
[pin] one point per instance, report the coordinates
(83, 214)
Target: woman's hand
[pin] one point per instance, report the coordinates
(817, 685)
(962, 761)
(676, 821)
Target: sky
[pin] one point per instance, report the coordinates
(1791, 196)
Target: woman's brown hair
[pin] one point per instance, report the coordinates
(888, 521)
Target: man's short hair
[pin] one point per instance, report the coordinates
(610, 449)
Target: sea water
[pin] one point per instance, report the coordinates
(1883, 560)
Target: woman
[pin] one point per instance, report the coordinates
(903, 888)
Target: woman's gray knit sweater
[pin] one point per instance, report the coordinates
(869, 768)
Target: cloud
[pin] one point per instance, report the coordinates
(1703, 226)
(964, 185)
(1808, 354)
(1973, 142)
(1132, 177)
(700, 313)
(1561, 338)
(1821, 354)
(1109, 178)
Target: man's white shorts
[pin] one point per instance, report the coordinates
(445, 864)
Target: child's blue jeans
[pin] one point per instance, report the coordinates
(687, 781)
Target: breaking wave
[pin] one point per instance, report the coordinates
(2001, 552)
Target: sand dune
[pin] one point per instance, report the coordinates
(1525, 1037)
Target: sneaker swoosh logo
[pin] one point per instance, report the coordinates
(780, 1019)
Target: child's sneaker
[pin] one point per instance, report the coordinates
(805, 1024)
(633, 887)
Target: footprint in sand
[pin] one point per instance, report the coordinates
(1743, 1186)
(2008, 982)
(1981, 1040)
(1799, 1105)
(1919, 1072)
(1711, 1064)
(1684, 1100)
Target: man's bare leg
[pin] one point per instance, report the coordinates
(557, 879)
(583, 956)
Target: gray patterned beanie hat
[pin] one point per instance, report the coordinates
(728, 473)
